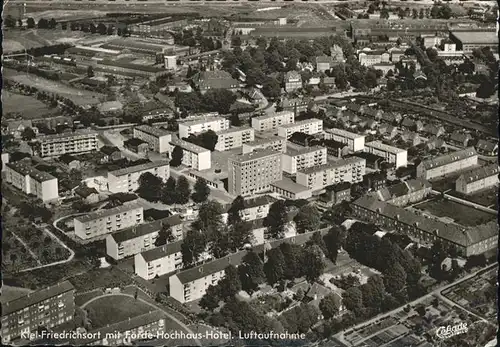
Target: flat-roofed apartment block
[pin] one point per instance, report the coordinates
(234, 138)
(32, 181)
(140, 238)
(272, 121)
(45, 308)
(349, 169)
(158, 139)
(477, 179)
(276, 143)
(448, 163)
(125, 332)
(158, 261)
(127, 180)
(192, 284)
(66, 143)
(393, 155)
(301, 158)
(193, 156)
(201, 125)
(254, 208)
(103, 222)
(355, 142)
(252, 173)
(308, 126)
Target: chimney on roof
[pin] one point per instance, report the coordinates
(436, 232)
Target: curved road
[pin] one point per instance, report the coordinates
(184, 326)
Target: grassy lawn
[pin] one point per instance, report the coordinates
(101, 278)
(81, 299)
(12, 293)
(29, 107)
(113, 309)
(464, 215)
(486, 198)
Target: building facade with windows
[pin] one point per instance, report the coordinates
(275, 143)
(131, 241)
(448, 163)
(66, 143)
(32, 181)
(158, 261)
(127, 180)
(193, 156)
(157, 139)
(201, 125)
(45, 308)
(254, 208)
(349, 169)
(477, 179)
(104, 222)
(234, 138)
(405, 193)
(393, 155)
(252, 173)
(288, 189)
(303, 158)
(355, 142)
(273, 121)
(308, 126)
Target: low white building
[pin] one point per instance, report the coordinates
(201, 125)
(158, 261)
(355, 142)
(234, 138)
(158, 139)
(193, 156)
(302, 158)
(393, 155)
(32, 181)
(308, 126)
(288, 189)
(127, 180)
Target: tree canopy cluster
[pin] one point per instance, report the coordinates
(214, 100)
(152, 188)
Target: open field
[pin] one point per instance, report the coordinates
(81, 299)
(461, 214)
(28, 106)
(114, 309)
(12, 293)
(488, 198)
(79, 97)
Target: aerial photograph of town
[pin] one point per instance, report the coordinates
(249, 173)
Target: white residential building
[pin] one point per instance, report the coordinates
(193, 156)
(394, 155)
(127, 180)
(443, 165)
(349, 169)
(302, 158)
(254, 208)
(477, 179)
(355, 142)
(234, 138)
(66, 143)
(199, 126)
(308, 126)
(158, 139)
(32, 181)
(158, 261)
(103, 222)
(272, 121)
(275, 143)
(140, 238)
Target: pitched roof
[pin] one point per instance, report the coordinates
(24, 168)
(145, 229)
(449, 158)
(85, 191)
(486, 145)
(162, 251)
(460, 137)
(106, 213)
(432, 129)
(109, 149)
(479, 173)
(36, 297)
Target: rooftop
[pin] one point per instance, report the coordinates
(332, 165)
(36, 297)
(106, 213)
(468, 37)
(480, 173)
(137, 67)
(162, 252)
(449, 158)
(384, 147)
(138, 168)
(203, 121)
(188, 146)
(68, 136)
(235, 130)
(152, 131)
(85, 191)
(344, 133)
(274, 115)
(265, 140)
(24, 168)
(291, 151)
(257, 154)
(299, 123)
(288, 185)
(145, 229)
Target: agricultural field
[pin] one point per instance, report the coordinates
(27, 106)
(461, 214)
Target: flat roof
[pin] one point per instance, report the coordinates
(257, 154)
(203, 120)
(466, 37)
(290, 186)
(162, 252)
(191, 147)
(344, 133)
(291, 151)
(152, 131)
(138, 168)
(83, 132)
(36, 297)
(332, 165)
(130, 66)
(106, 213)
(274, 115)
(265, 140)
(384, 147)
(145, 229)
(24, 168)
(235, 130)
(299, 123)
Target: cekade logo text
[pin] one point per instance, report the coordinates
(451, 330)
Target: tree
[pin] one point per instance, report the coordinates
(43, 23)
(274, 266)
(201, 190)
(334, 240)
(421, 14)
(373, 292)
(52, 23)
(271, 88)
(177, 155)
(150, 187)
(313, 263)
(230, 285)
(164, 237)
(28, 134)
(237, 206)
(276, 219)
(169, 191)
(210, 301)
(90, 71)
(353, 299)
(193, 245)
(330, 305)
(183, 190)
(10, 21)
(209, 140)
(294, 256)
(384, 14)
(30, 23)
(317, 239)
(395, 278)
(101, 29)
(414, 13)
(251, 272)
(307, 219)
(239, 234)
(209, 216)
